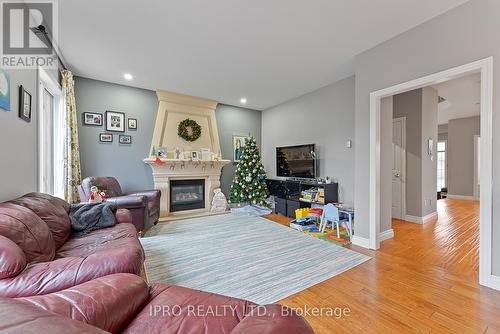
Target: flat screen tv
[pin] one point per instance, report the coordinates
(296, 161)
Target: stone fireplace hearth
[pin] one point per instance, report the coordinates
(185, 172)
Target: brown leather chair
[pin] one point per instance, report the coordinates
(144, 206)
(124, 303)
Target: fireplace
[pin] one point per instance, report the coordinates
(187, 195)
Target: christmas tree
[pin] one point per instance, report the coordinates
(249, 183)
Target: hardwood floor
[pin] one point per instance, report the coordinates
(422, 281)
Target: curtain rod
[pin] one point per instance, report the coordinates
(41, 31)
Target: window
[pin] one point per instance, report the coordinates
(441, 165)
(50, 136)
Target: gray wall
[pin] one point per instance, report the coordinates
(18, 140)
(112, 159)
(460, 36)
(125, 161)
(419, 107)
(429, 166)
(409, 105)
(461, 134)
(324, 117)
(232, 121)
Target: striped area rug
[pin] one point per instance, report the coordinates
(243, 257)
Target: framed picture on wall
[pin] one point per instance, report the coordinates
(4, 91)
(106, 137)
(238, 145)
(132, 124)
(24, 104)
(125, 139)
(92, 118)
(115, 121)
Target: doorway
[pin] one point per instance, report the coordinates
(485, 68)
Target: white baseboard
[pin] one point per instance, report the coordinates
(389, 234)
(462, 197)
(365, 242)
(420, 220)
(361, 242)
(492, 282)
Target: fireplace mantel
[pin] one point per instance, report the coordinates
(171, 169)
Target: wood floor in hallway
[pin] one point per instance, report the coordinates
(424, 280)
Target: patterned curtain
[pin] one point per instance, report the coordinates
(72, 171)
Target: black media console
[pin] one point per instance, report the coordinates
(287, 194)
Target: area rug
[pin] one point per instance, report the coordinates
(331, 236)
(243, 257)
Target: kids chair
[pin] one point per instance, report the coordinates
(331, 214)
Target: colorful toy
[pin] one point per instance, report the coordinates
(302, 213)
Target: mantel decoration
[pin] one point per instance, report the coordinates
(189, 130)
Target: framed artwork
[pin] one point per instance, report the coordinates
(24, 104)
(125, 139)
(238, 145)
(92, 118)
(206, 155)
(4, 91)
(178, 153)
(115, 121)
(106, 137)
(132, 124)
(194, 155)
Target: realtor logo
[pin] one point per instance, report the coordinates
(29, 30)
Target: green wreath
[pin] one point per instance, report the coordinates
(189, 130)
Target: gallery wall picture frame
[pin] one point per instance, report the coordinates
(92, 119)
(238, 145)
(24, 104)
(115, 121)
(105, 137)
(132, 123)
(4, 90)
(125, 139)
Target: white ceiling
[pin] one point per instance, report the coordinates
(269, 51)
(462, 98)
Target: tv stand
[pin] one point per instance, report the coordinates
(287, 194)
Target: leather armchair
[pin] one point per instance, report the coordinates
(144, 206)
(123, 303)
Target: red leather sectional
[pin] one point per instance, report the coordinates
(51, 282)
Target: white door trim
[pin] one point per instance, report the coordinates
(476, 194)
(403, 166)
(485, 67)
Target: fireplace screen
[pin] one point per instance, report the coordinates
(187, 195)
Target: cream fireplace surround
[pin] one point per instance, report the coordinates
(172, 109)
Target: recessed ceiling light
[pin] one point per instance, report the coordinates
(243, 100)
(128, 76)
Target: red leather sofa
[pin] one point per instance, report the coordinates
(144, 206)
(38, 255)
(123, 303)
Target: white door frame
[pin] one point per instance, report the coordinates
(485, 67)
(403, 166)
(477, 173)
(46, 81)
